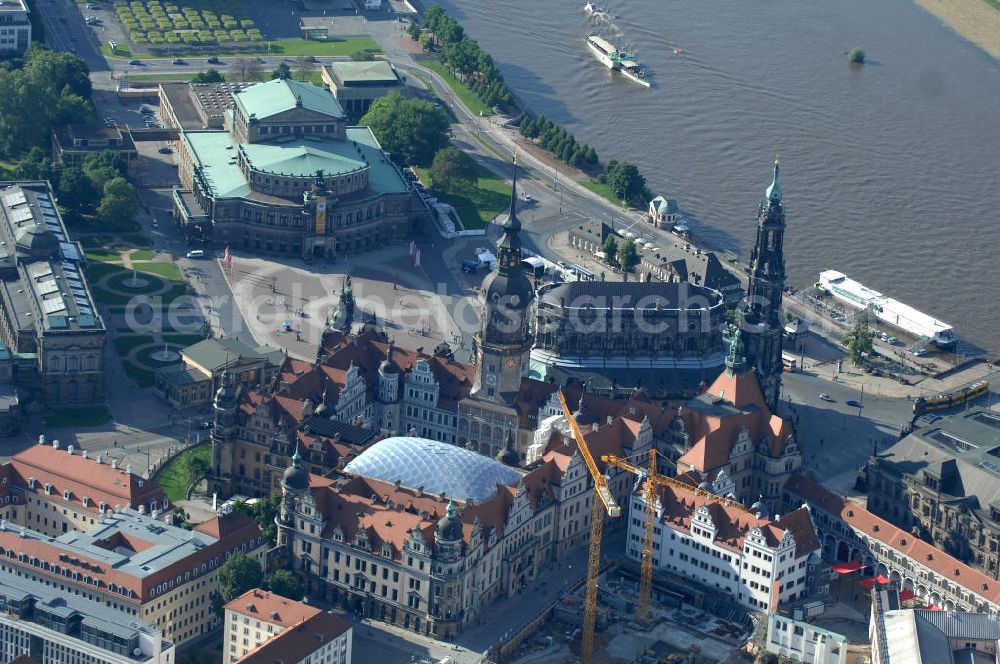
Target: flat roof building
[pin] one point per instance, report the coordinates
(158, 573)
(15, 26)
(193, 106)
(264, 628)
(65, 628)
(355, 85)
(47, 314)
(72, 144)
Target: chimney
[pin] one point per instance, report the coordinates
(128, 469)
(114, 463)
(84, 454)
(70, 449)
(41, 439)
(55, 444)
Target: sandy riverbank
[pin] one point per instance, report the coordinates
(975, 20)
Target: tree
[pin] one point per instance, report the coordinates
(414, 31)
(71, 108)
(76, 191)
(210, 76)
(103, 167)
(856, 55)
(264, 512)
(453, 170)
(282, 71)
(239, 574)
(627, 255)
(245, 69)
(625, 180)
(426, 41)
(286, 584)
(859, 340)
(303, 67)
(610, 248)
(410, 128)
(118, 205)
(35, 165)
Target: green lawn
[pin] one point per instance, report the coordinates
(183, 340)
(602, 189)
(165, 270)
(138, 241)
(476, 207)
(91, 416)
(182, 471)
(143, 377)
(102, 255)
(465, 94)
(94, 241)
(142, 255)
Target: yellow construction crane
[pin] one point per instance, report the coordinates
(653, 480)
(602, 501)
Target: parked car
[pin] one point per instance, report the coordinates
(196, 253)
(893, 340)
(919, 352)
(529, 199)
(156, 224)
(165, 150)
(826, 397)
(853, 404)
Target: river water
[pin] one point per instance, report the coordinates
(891, 171)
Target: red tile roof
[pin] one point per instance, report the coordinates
(733, 521)
(296, 642)
(712, 435)
(272, 608)
(877, 528)
(83, 477)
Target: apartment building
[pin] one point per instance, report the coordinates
(263, 628)
(157, 573)
(40, 621)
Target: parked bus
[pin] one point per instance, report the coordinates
(788, 362)
(534, 266)
(949, 399)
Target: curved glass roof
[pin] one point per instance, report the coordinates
(439, 468)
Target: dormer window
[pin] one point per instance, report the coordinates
(66, 494)
(86, 501)
(32, 482)
(48, 488)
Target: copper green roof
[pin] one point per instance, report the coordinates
(215, 163)
(266, 100)
(376, 71)
(303, 157)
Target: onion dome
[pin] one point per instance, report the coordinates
(296, 477)
(449, 528)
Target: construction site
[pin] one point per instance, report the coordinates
(620, 613)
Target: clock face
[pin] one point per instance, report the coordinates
(491, 379)
(510, 363)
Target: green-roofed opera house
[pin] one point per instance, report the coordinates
(288, 176)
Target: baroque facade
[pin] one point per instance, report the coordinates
(288, 176)
(432, 558)
(942, 483)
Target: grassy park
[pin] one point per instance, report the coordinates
(468, 97)
(477, 206)
(183, 470)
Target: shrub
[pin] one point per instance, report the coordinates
(856, 55)
(246, 23)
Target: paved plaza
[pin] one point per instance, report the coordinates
(288, 303)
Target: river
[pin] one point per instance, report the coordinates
(891, 171)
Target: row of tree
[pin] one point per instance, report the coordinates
(38, 92)
(559, 142)
(462, 54)
(624, 255)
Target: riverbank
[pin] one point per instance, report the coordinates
(976, 20)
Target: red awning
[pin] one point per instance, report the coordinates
(870, 581)
(934, 607)
(906, 595)
(848, 567)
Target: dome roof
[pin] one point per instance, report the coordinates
(439, 468)
(449, 528)
(296, 477)
(36, 240)
(388, 365)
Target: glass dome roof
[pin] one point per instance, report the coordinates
(439, 468)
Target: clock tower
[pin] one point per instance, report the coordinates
(504, 341)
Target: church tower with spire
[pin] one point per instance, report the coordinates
(502, 349)
(504, 341)
(761, 314)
